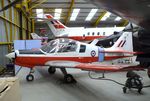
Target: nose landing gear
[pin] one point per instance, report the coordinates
(30, 76)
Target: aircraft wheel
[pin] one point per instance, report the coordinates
(30, 77)
(51, 70)
(124, 89)
(69, 78)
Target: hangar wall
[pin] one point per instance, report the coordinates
(14, 25)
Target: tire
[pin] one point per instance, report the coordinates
(124, 89)
(30, 77)
(51, 70)
(69, 78)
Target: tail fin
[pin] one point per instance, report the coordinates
(35, 36)
(125, 42)
(55, 25)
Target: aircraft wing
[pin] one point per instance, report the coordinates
(110, 68)
(93, 66)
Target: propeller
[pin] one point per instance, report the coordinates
(10, 5)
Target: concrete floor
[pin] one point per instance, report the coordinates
(47, 87)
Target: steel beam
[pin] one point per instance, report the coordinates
(41, 1)
(99, 19)
(32, 25)
(6, 43)
(5, 21)
(69, 12)
(124, 23)
(20, 29)
(10, 25)
(15, 21)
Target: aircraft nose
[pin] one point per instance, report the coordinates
(11, 55)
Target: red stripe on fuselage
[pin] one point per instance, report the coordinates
(59, 26)
(81, 38)
(40, 61)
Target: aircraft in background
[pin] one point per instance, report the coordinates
(36, 37)
(79, 33)
(44, 40)
(67, 53)
(108, 41)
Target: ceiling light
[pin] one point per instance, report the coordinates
(39, 13)
(91, 14)
(57, 13)
(74, 14)
(118, 18)
(105, 16)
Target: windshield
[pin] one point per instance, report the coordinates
(50, 47)
(60, 45)
(67, 45)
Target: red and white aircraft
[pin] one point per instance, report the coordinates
(67, 53)
(79, 33)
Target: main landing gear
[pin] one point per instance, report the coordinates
(30, 77)
(68, 78)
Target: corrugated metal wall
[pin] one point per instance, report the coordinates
(10, 29)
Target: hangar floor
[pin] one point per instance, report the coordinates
(51, 88)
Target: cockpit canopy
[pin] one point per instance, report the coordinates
(60, 45)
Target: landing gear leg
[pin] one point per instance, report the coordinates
(68, 78)
(30, 77)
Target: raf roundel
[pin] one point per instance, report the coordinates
(93, 53)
